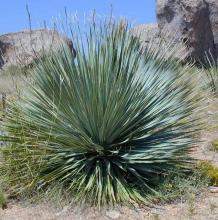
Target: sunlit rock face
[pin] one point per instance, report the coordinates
(21, 48)
(193, 22)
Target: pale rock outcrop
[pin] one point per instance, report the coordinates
(21, 48)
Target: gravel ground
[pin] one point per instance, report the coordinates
(205, 208)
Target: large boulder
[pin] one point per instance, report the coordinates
(189, 21)
(192, 22)
(147, 33)
(213, 8)
(21, 48)
(151, 37)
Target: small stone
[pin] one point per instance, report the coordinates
(210, 113)
(113, 214)
(64, 210)
(213, 189)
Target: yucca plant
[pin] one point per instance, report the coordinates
(211, 74)
(104, 125)
(212, 79)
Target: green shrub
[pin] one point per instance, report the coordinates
(179, 186)
(106, 125)
(215, 145)
(210, 171)
(3, 202)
